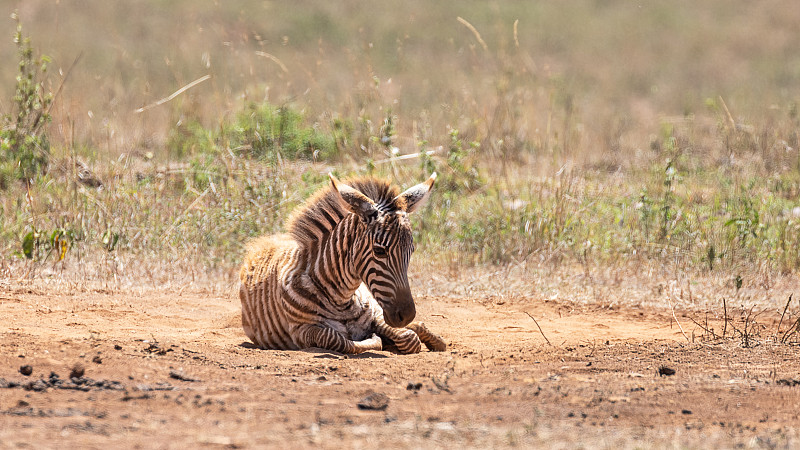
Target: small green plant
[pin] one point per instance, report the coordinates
(265, 132)
(24, 144)
(460, 174)
(646, 213)
(260, 132)
(37, 242)
(746, 221)
(110, 239)
(388, 131)
(668, 201)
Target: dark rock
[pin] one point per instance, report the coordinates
(180, 376)
(666, 371)
(374, 401)
(4, 384)
(36, 386)
(26, 370)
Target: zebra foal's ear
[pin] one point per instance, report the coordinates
(353, 199)
(415, 196)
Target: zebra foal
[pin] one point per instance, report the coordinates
(338, 278)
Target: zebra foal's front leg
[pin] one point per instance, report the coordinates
(411, 338)
(330, 339)
(432, 341)
(406, 340)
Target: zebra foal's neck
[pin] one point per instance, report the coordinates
(333, 264)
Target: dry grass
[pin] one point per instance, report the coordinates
(589, 139)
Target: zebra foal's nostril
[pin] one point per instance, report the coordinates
(405, 310)
(407, 315)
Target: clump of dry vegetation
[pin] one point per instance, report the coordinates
(565, 135)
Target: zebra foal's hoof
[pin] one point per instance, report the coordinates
(435, 343)
(372, 343)
(432, 341)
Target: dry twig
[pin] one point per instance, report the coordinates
(676, 321)
(778, 331)
(475, 32)
(540, 328)
(174, 94)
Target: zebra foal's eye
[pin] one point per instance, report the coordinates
(379, 251)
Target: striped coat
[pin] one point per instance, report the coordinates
(337, 280)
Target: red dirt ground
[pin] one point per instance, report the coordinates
(499, 383)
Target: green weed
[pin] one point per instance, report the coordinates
(24, 143)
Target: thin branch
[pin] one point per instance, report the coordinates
(539, 327)
(274, 59)
(402, 157)
(676, 321)
(174, 94)
(792, 329)
(475, 32)
(725, 312)
(705, 328)
(728, 113)
(778, 331)
(63, 80)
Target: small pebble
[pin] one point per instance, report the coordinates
(26, 370)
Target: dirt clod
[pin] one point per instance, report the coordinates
(77, 371)
(374, 401)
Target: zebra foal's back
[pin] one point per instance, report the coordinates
(263, 318)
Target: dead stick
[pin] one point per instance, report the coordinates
(64, 80)
(725, 311)
(704, 328)
(474, 32)
(783, 314)
(676, 321)
(791, 330)
(728, 113)
(174, 94)
(540, 328)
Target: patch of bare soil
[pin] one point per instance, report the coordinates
(94, 370)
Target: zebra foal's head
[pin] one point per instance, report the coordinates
(383, 253)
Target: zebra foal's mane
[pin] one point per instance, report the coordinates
(323, 210)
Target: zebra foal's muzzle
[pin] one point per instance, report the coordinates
(402, 310)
